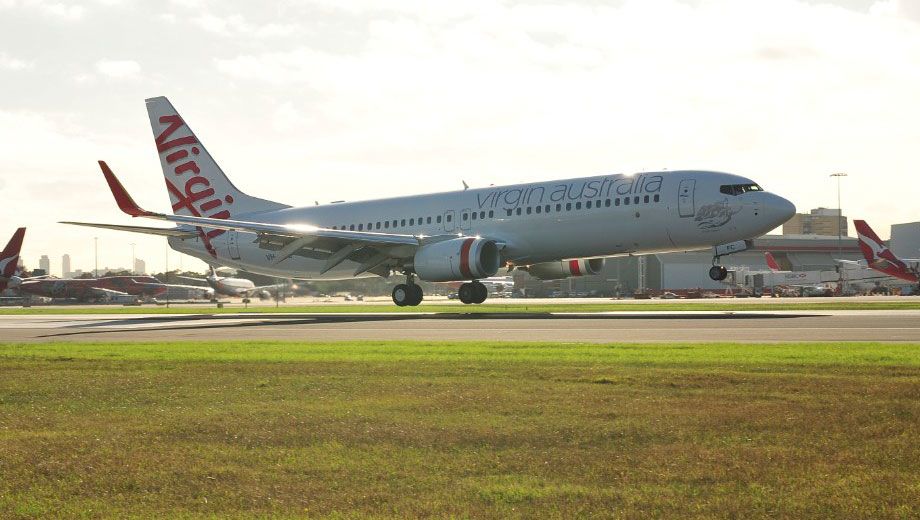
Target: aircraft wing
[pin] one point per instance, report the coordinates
(166, 232)
(101, 291)
(370, 249)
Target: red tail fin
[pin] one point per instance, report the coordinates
(869, 242)
(771, 262)
(879, 256)
(9, 258)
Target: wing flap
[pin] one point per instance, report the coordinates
(166, 232)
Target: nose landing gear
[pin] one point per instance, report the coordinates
(408, 293)
(718, 272)
(473, 292)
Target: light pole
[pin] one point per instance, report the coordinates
(96, 261)
(839, 215)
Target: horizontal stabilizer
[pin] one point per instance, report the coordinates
(165, 232)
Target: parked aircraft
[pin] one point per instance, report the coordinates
(881, 258)
(454, 236)
(236, 287)
(91, 289)
(9, 258)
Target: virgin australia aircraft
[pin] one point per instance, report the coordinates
(552, 229)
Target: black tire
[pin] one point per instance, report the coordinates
(718, 273)
(417, 295)
(481, 291)
(402, 295)
(467, 293)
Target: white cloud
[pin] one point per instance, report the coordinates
(59, 10)
(118, 69)
(236, 25)
(8, 62)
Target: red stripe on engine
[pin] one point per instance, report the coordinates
(573, 268)
(465, 258)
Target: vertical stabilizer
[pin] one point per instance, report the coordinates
(9, 258)
(771, 262)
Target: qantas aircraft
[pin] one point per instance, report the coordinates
(557, 228)
(91, 289)
(880, 258)
(9, 258)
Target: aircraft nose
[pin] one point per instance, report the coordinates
(779, 209)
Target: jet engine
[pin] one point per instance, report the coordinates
(462, 258)
(565, 268)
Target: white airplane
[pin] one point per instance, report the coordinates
(236, 287)
(559, 227)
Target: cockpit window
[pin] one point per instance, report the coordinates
(738, 189)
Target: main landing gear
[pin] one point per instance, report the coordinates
(407, 293)
(473, 292)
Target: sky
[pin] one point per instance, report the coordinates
(322, 100)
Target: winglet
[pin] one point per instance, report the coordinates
(124, 200)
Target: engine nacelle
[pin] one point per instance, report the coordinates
(462, 258)
(566, 268)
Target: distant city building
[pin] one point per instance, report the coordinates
(44, 263)
(65, 266)
(820, 221)
(140, 267)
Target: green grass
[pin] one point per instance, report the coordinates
(345, 430)
(817, 305)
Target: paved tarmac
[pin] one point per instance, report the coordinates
(692, 326)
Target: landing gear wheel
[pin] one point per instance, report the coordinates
(402, 295)
(718, 273)
(415, 291)
(481, 292)
(467, 293)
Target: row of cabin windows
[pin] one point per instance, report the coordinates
(482, 215)
(596, 204)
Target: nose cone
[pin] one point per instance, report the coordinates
(778, 210)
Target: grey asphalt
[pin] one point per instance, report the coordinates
(597, 327)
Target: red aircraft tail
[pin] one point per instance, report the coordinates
(771, 262)
(879, 256)
(9, 258)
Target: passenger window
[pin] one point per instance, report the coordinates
(482, 215)
(645, 200)
(508, 211)
(474, 215)
(386, 224)
(626, 201)
(588, 204)
(465, 217)
(558, 208)
(597, 204)
(528, 210)
(360, 227)
(616, 201)
(539, 209)
(607, 203)
(411, 221)
(450, 217)
(351, 227)
(578, 205)
(657, 198)
(546, 208)
(568, 206)
(402, 222)
(636, 200)
(491, 213)
(518, 211)
(378, 225)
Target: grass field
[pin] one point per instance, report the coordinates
(349, 430)
(817, 305)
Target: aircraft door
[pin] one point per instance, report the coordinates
(449, 220)
(233, 244)
(465, 219)
(685, 203)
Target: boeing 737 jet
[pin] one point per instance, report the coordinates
(237, 287)
(556, 228)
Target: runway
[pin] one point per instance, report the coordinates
(693, 326)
